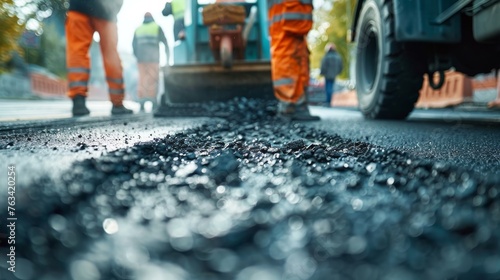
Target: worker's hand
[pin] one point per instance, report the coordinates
(181, 35)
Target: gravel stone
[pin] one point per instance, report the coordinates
(253, 197)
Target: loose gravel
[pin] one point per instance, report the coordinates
(253, 197)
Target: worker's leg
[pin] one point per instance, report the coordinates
(108, 34)
(328, 90)
(79, 33)
(303, 56)
(148, 82)
(290, 74)
(141, 67)
(290, 68)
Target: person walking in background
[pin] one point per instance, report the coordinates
(289, 23)
(84, 18)
(146, 46)
(331, 66)
(495, 104)
(176, 9)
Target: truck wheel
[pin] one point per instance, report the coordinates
(388, 75)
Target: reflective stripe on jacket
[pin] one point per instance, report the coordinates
(147, 34)
(146, 42)
(293, 16)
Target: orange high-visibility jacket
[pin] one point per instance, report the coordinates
(289, 23)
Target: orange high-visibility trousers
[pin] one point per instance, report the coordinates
(290, 68)
(80, 30)
(148, 80)
(289, 23)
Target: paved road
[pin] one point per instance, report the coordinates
(15, 110)
(463, 137)
(252, 197)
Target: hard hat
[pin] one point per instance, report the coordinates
(148, 15)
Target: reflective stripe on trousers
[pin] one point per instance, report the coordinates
(290, 72)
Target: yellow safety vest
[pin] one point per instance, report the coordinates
(178, 7)
(147, 33)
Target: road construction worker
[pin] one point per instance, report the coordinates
(176, 8)
(146, 42)
(289, 23)
(84, 18)
(331, 66)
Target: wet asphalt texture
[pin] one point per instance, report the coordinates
(246, 197)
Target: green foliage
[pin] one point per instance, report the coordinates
(53, 50)
(331, 22)
(49, 18)
(10, 31)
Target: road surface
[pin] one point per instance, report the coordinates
(253, 197)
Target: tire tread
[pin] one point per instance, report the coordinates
(400, 80)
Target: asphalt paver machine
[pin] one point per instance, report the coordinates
(225, 54)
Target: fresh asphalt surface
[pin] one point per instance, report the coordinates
(254, 197)
(468, 138)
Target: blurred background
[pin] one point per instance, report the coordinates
(32, 52)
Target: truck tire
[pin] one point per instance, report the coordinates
(388, 74)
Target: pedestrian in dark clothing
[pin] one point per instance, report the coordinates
(84, 18)
(146, 46)
(331, 66)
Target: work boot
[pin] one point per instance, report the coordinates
(295, 112)
(79, 108)
(285, 110)
(302, 113)
(120, 110)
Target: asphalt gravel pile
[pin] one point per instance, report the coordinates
(253, 197)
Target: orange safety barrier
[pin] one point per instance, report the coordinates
(45, 86)
(457, 88)
(489, 82)
(344, 99)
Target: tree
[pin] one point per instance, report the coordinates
(331, 22)
(53, 50)
(12, 28)
(47, 19)
(41, 10)
(17, 16)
